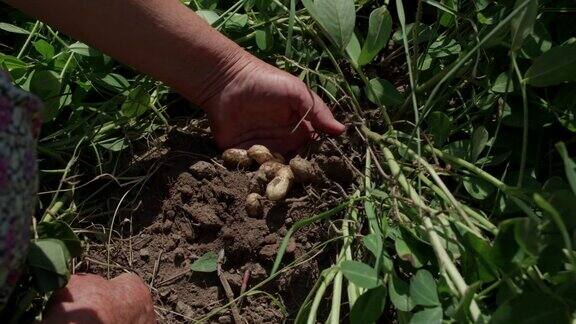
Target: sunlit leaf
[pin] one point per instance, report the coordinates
(379, 30)
(359, 273)
(423, 289)
(206, 263)
(337, 18)
(427, 316)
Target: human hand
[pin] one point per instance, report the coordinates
(261, 104)
(92, 299)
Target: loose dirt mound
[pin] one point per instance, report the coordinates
(193, 205)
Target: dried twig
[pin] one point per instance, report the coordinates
(228, 290)
(156, 266)
(245, 279)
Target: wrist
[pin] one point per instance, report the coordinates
(227, 68)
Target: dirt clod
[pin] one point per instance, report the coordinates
(203, 215)
(203, 170)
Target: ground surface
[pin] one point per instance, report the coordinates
(192, 205)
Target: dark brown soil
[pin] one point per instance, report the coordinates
(192, 205)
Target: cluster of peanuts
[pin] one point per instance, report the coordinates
(273, 173)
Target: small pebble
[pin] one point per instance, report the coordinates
(291, 246)
(268, 252)
(165, 293)
(188, 233)
(144, 254)
(170, 214)
(185, 310)
(225, 319)
(288, 221)
(172, 297)
(167, 226)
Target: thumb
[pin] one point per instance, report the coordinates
(312, 108)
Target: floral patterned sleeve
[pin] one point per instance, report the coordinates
(19, 127)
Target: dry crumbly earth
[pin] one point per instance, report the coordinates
(192, 205)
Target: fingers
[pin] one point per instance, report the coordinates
(281, 140)
(313, 108)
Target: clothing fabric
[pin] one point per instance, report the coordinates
(20, 122)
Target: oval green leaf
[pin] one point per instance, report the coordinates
(523, 24)
(428, 316)
(383, 92)
(359, 273)
(399, 292)
(423, 289)
(337, 18)
(556, 66)
(369, 306)
(206, 263)
(379, 30)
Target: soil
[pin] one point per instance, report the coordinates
(192, 205)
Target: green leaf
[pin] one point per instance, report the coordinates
(236, 22)
(478, 188)
(337, 18)
(137, 103)
(383, 93)
(264, 38)
(425, 34)
(523, 24)
(45, 49)
(369, 306)
(45, 84)
(509, 250)
(439, 125)
(373, 242)
(428, 316)
(60, 230)
(13, 29)
(479, 141)
(359, 273)
(459, 149)
(527, 235)
(556, 66)
(531, 308)
(443, 47)
(503, 84)
(82, 49)
(114, 82)
(206, 263)
(399, 292)
(538, 42)
(11, 62)
(569, 165)
(379, 30)
(208, 15)
(477, 262)
(114, 144)
(353, 49)
(48, 263)
(423, 289)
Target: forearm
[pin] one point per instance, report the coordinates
(162, 38)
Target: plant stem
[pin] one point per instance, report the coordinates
(29, 39)
(524, 120)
